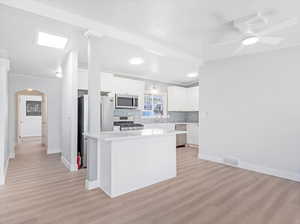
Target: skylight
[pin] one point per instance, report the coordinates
(49, 40)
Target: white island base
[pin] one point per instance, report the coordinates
(127, 163)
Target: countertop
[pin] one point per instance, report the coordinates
(124, 135)
(169, 123)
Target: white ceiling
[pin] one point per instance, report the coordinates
(192, 26)
(116, 54)
(18, 35)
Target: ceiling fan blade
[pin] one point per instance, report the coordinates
(270, 40)
(280, 26)
(238, 50)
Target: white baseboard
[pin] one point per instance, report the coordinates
(90, 185)
(67, 164)
(256, 168)
(53, 151)
(3, 176)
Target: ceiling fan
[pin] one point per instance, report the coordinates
(256, 28)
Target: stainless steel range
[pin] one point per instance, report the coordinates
(127, 124)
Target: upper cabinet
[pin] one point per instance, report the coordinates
(193, 98)
(183, 99)
(115, 84)
(177, 98)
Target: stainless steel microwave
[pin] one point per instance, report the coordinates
(126, 101)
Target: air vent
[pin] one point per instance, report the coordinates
(231, 161)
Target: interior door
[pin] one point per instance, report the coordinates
(45, 120)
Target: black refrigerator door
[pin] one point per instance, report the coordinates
(80, 138)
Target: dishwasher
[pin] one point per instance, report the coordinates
(180, 138)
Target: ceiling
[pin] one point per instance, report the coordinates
(192, 26)
(18, 36)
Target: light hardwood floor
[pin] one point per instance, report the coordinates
(41, 190)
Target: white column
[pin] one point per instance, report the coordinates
(4, 149)
(94, 85)
(69, 109)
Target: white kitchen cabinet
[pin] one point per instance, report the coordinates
(193, 134)
(183, 99)
(177, 98)
(114, 84)
(193, 98)
(107, 81)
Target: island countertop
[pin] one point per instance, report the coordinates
(123, 135)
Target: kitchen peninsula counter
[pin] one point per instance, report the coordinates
(130, 160)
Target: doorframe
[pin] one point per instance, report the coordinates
(30, 92)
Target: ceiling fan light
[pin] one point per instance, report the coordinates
(250, 41)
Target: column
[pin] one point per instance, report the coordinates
(94, 98)
(4, 148)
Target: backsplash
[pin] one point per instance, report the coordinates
(192, 117)
(127, 113)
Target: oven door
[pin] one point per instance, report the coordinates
(125, 102)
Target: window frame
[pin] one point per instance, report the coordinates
(165, 104)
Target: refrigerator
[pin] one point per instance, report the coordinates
(106, 122)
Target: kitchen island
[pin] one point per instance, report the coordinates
(130, 160)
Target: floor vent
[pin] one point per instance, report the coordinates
(231, 161)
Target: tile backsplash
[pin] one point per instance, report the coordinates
(172, 116)
(127, 113)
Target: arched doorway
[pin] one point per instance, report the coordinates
(31, 117)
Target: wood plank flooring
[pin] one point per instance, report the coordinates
(40, 190)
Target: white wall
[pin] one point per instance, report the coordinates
(250, 110)
(30, 125)
(52, 88)
(4, 150)
(69, 110)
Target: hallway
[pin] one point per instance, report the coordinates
(35, 185)
(40, 190)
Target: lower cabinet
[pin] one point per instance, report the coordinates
(193, 134)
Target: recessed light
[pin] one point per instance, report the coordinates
(30, 90)
(250, 41)
(49, 40)
(192, 75)
(136, 61)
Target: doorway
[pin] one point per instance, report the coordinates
(32, 119)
